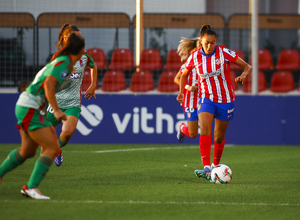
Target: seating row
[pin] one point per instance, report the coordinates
(142, 81)
(122, 59)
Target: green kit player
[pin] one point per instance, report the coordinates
(69, 99)
(35, 128)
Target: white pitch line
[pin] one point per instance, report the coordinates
(136, 149)
(157, 202)
(142, 149)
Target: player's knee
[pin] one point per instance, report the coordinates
(205, 131)
(219, 139)
(193, 134)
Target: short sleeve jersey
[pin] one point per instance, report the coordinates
(190, 99)
(71, 95)
(213, 71)
(34, 97)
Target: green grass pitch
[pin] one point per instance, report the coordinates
(157, 182)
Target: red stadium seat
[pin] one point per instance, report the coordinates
(86, 81)
(262, 84)
(234, 84)
(141, 81)
(166, 82)
(98, 56)
(173, 61)
(265, 61)
(235, 67)
(288, 60)
(113, 81)
(121, 59)
(282, 81)
(150, 60)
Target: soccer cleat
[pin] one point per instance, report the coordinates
(58, 159)
(33, 193)
(180, 134)
(205, 173)
(212, 165)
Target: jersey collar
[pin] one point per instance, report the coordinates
(203, 53)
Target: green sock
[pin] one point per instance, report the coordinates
(13, 160)
(61, 143)
(41, 167)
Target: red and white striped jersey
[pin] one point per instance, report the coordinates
(213, 71)
(190, 99)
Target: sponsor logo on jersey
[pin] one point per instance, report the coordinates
(230, 52)
(63, 74)
(75, 76)
(215, 73)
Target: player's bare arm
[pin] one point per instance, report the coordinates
(49, 84)
(247, 70)
(177, 78)
(183, 80)
(90, 92)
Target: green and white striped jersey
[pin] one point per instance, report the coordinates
(71, 95)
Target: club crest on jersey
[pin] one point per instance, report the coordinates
(218, 61)
(80, 62)
(63, 74)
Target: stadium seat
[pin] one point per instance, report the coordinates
(234, 84)
(173, 61)
(150, 60)
(98, 56)
(235, 67)
(282, 81)
(166, 82)
(265, 61)
(288, 60)
(262, 84)
(86, 81)
(141, 81)
(113, 81)
(121, 59)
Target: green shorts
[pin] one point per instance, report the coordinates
(30, 118)
(75, 111)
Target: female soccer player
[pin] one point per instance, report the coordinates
(190, 98)
(35, 127)
(69, 99)
(216, 94)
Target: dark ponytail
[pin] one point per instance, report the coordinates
(74, 45)
(206, 29)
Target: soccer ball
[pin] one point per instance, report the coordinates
(221, 174)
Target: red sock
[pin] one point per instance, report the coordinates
(205, 148)
(185, 130)
(218, 151)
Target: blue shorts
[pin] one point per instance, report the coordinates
(221, 111)
(190, 114)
